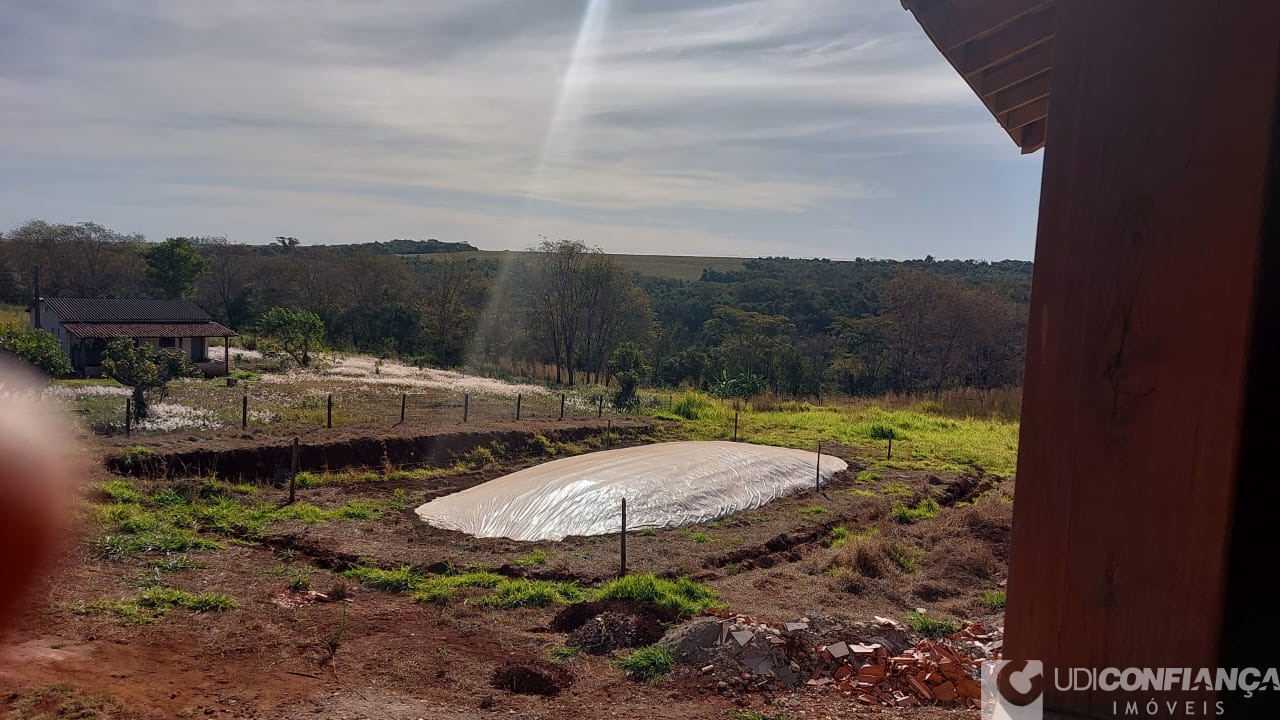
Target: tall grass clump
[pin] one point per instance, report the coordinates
(685, 596)
(519, 592)
(441, 589)
(695, 406)
(397, 580)
(648, 663)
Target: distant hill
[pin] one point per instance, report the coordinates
(676, 267)
(422, 247)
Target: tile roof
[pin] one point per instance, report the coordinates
(126, 310)
(147, 330)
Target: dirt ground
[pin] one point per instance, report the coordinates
(380, 655)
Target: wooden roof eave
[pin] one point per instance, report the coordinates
(1003, 50)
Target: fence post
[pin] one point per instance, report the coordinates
(818, 480)
(735, 424)
(293, 471)
(890, 457)
(328, 419)
(561, 406)
(622, 572)
(128, 415)
(244, 411)
(608, 435)
(466, 406)
(518, 399)
(600, 406)
(404, 400)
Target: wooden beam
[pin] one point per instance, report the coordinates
(1026, 114)
(1021, 94)
(1033, 62)
(1011, 40)
(1144, 308)
(954, 23)
(1030, 137)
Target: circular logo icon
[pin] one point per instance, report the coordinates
(1018, 685)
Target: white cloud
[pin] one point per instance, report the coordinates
(726, 109)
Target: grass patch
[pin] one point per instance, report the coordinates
(925, 439)
(172, 563)
(906, 557)
(537, 557)
(813, 510)
(699, 537)
(648, 663)
(519, 592)
(61, 700)
(926, 509)
(399, 580)
(684, 595)
(562, 653)
(154, 603)
(993, 600)
(931, 626)
(441, 589)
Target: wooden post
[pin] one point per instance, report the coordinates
(622, 570)
(600, 406)
(561, 406)
(328, 420)
(466, 406)
(128, 416)
(404, 400)
(244, 411)
(735, 425)
(818, 470)
(518, 399)
(608, 434)
(293, 471)
(890, 455)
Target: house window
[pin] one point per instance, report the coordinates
(168, 342)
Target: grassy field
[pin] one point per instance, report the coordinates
(10, 313)
(683, 267)
(923, 440)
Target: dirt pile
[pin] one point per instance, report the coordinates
(531, 679)
(602, 627)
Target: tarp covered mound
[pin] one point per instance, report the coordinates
(666, 485)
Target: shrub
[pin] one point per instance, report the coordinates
(883, 432)
(38, 348)
(685, 596)
(839, 536)
(648, 663)
(993, 600)
(932, 627)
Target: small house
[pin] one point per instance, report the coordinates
(85, 325)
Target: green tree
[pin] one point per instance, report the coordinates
(144, 368)
(173, 267)
(627, 363)
(37, 347)
(295, 329)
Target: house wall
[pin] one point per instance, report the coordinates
(51, 323)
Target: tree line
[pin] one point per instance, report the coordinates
(568, 313)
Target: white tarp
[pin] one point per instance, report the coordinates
(666, 485)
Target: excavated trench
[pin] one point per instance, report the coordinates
(274, 461)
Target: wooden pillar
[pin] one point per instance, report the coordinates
(1150, 298)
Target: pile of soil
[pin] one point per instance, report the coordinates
(602, 627)
(531, 679)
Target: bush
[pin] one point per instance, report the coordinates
(648, 663)
(38, 348)
(693, 406)
(685, 596)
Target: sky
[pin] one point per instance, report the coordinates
(805, 128)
